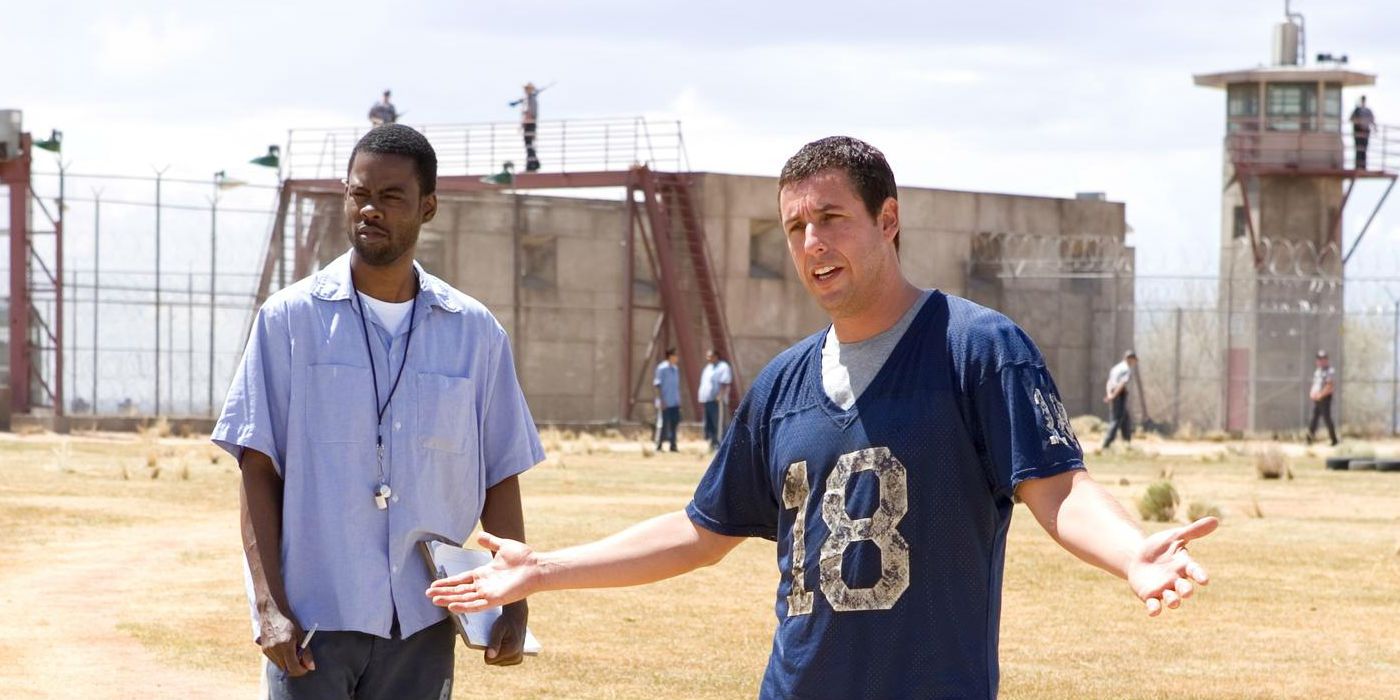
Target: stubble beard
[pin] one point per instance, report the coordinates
(382, 255)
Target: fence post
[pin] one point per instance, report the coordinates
(159, 174)
(1395, 373)
(1176, 375)
(96, 284)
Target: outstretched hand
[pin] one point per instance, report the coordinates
(1163, 573)
(508, 578)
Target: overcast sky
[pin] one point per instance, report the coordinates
(1021, 97)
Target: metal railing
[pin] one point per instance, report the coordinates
(572, 145)
(1297, 144)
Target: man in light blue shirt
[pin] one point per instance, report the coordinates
(360, 434)
(714, 390)
(667, 383)
(1116, 395)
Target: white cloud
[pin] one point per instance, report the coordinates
(141, 45)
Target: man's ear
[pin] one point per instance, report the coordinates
(429, 207)
(889, 217)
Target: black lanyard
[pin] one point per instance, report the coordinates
(374, 374)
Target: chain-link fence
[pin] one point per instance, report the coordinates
(159, 281)
(162, 272)
(1207, 366)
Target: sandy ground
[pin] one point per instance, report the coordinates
(77, 592)
(71, 601)
(114, 584)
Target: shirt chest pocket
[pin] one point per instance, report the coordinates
(338, 404)
(446, 413)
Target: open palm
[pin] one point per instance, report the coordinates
(503, 581)
(1162, 573)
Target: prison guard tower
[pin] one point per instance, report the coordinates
(1289, 169)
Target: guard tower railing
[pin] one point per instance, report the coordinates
(1265, 146)
(571, 145)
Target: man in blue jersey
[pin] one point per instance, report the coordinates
(883, 454)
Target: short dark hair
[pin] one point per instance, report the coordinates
(670, 352)
(400, 140)
(864, 165)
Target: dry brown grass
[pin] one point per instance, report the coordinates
(1270, 463)
(1302, 605)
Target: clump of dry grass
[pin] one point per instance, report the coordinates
(1270, 463)
(1253, 510)
(1086, 424)
(159, 429)
(62, 454)
(587, 444)
(1200, 509)
(648, 451)
(184, 471)
(1159, 502)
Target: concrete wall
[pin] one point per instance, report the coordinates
(566, 321)
(767, 314)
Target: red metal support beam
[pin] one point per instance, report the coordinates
(629, 259)
(474, 183)
(667, 282)
(279, 221)
(1334, 231)
(1243, 179)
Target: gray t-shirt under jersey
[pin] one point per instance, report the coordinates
(848, 368)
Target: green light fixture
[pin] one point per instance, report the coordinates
(271, 160)
(505, 177)
(224, 182)
(53, 143)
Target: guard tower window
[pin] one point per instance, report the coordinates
(768, 254)
(1292, 106)
(1332, 107)
(1243, 107)
(1241, 227)
(539, 269)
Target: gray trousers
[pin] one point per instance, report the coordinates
(365, 667)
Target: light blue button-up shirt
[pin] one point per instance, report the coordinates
(457, 425)
(668, 378)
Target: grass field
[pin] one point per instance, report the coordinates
(114, 584)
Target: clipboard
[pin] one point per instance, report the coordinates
(444, 559)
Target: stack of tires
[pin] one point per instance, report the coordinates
(1363, 464)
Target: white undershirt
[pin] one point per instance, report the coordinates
(391, 315)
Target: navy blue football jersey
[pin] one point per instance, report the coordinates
(891, 517)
